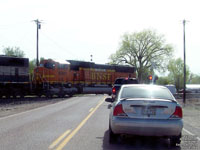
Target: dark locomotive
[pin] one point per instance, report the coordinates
(14, 76)
(53, 78)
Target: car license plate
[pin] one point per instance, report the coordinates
(148, 111)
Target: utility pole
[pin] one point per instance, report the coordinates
(38, 23)
(184, 93)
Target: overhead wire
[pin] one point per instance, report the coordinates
(58, 45)
(26, 38)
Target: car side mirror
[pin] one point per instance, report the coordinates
(109, 106)
(110, 100)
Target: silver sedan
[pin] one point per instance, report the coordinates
(145, 110)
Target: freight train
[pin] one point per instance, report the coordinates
(53, 78)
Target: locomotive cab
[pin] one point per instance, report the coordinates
(51, 72)
(53, 78)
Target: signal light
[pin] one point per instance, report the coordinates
(150, 77)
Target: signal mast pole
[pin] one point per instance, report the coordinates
(184, 93)
(38, 23)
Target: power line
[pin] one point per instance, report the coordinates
(59, 45)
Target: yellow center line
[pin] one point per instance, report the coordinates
(59, 139)
(91, 109)
(67, 139)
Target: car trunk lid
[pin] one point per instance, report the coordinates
(149, 108)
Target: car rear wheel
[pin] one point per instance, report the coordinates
(175, 140)
(112, 137)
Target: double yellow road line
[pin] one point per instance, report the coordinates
(71, 134)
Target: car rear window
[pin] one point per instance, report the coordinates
(118, 81)
(130, 81)
(126, 81)
(146, 92)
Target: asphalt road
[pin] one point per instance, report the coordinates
(78, 123)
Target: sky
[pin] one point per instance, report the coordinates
(77, 29)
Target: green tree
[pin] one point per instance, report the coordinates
(163, 80)
(13, 51)
(176, 72)
(42, 58)
(32, 64)
(146, 50)
(194, 79)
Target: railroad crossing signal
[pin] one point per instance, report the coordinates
(150, 77)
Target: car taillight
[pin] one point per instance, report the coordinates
(118, 111)
(178, 113)
(113, 90)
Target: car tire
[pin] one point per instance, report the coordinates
(175, 140)
(112, 137)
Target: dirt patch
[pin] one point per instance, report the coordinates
(14, 106)
(190, 104)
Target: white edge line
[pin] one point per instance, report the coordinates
(188, 132)
(191, 133)
(34, 109)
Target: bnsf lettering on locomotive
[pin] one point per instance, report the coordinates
(109, 77)
(99, 76)
(104, 77)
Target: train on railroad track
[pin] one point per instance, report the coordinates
(55, 78)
